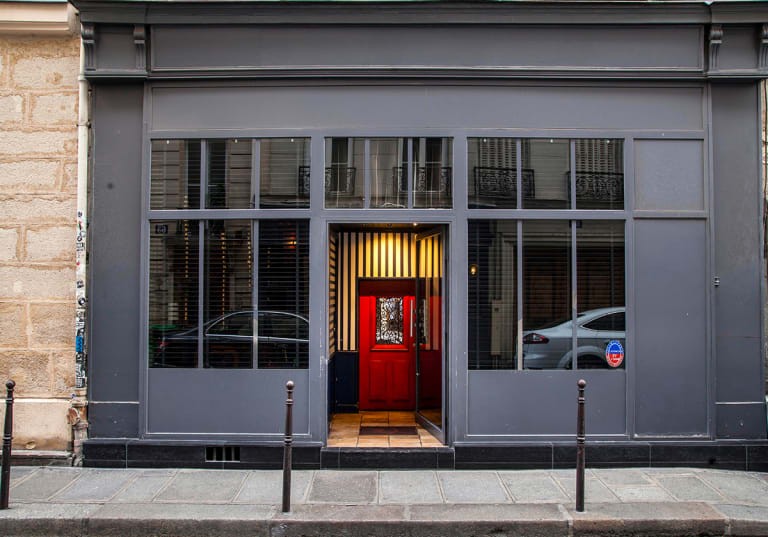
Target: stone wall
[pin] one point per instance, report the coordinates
(38, 187)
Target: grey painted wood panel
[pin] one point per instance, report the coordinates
(670, 327)
(669, 175)
(737, 220)
(115, 224)
(225, 401)
(506, 402)
(544, 46)
(420, 107)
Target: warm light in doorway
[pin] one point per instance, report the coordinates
(473, 270)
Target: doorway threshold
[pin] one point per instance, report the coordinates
(355, 458)
(393, 429)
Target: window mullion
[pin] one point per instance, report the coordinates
(367, 173)
(255, 290)
(574, 293)
(203, 174)
(255, 173)
(410, 173)
(519, 178)
(200, 292)
(519, 290)
(573, 174)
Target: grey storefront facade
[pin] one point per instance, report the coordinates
(312, 191)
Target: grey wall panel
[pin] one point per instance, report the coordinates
(745, 420)
(738, 247)
(670, 327)
(115, 49)
(113, 420)
(202, 401)
(737, 378)
(507, 402)
(739, 48)
(669, 175)
(342, 107)
(662, 47)
(115, 244)
(735, 162)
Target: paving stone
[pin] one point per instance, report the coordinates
(95, 486)
(343, 487)
(594, 490)
(650, 493)
(145, 487)
(266, 487)
(203, 486)
(526, 487)
(463, 486)
(688, 488)
(21, 472)
(44, 484)
(414, 487)
(737, 486)
(621, 477)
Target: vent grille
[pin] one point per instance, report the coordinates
(222, 454)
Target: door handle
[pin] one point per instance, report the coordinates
(413, 318)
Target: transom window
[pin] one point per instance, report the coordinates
(237, 173)
(541, 169)
(389, 173)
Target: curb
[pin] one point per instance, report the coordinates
(515, 520)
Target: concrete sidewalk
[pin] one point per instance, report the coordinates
(93, 502)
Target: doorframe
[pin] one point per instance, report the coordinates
(438, 432)
(446, 220)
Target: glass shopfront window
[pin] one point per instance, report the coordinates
(227, 178)
(210, 305)
(426, 164)
(542, 169)
(226, 285)
(548, 336)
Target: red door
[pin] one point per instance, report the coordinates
(387, 357)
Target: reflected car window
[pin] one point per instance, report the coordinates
(239, 324)
(615, 322)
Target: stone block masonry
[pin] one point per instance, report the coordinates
(38, 192)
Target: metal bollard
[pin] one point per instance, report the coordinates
(287, 447)
(581, 437)
(5, 473)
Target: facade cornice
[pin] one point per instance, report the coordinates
(37, 18)
(303, 12)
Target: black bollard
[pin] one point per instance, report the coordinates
(287, 447)
(581, 437)
(5, 474)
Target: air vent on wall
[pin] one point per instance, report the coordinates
(222, 454)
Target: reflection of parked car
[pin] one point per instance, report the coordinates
(550, 347)
(283, 341)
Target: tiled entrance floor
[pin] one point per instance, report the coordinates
(345, 430)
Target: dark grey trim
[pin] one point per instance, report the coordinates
(150, 12)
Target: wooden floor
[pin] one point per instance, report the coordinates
(345, 430)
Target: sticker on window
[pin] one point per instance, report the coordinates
(614, 353)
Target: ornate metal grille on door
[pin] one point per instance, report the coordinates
(389, 320)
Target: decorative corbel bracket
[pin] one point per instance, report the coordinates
(762, 62)
(88, 33)
(140, 41)
(715, 40)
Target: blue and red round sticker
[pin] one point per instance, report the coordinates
(614, 353)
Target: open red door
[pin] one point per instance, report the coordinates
(387, 351)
